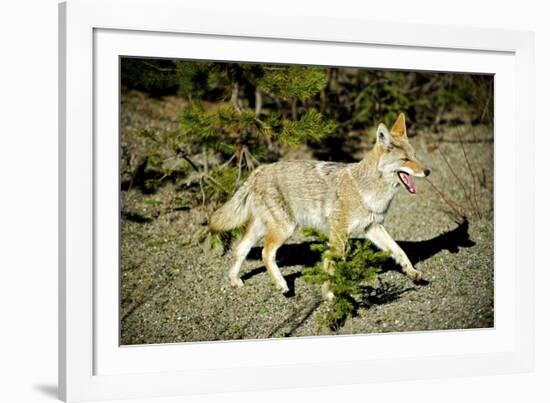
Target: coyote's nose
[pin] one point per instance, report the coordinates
(426, 172)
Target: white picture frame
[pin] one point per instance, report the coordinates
(94, 33)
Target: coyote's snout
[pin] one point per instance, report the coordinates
(339, 199)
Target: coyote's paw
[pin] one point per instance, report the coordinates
(415, 275)
(236, 282)
(283, 287)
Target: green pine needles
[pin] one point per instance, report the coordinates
(312, 127)
(360, 264)
(292, 82)
(237, 116)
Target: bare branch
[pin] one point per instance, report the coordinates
(474, 182)
(466, 193)
(453, 206)
(258, 103)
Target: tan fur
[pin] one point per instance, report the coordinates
(339, 199)
(399, 128)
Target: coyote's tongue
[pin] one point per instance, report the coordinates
(407, 181)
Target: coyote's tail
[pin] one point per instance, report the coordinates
(235, 212)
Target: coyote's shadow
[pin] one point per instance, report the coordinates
(417, 251)
(452, 240)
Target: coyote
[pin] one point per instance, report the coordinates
(337, 198)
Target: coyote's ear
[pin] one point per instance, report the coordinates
(399, 128)
(383, 136)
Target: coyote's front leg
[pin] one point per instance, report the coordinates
(380, 237)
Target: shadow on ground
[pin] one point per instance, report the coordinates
(384, 293)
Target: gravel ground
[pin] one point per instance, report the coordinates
(174, 289)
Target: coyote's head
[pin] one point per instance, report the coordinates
(397, 162)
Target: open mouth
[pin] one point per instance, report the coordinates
(407, 181)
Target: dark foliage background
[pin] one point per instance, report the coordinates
(238, 115)
(356, 97)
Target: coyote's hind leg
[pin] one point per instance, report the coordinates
(254, 231)
(276, 236)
